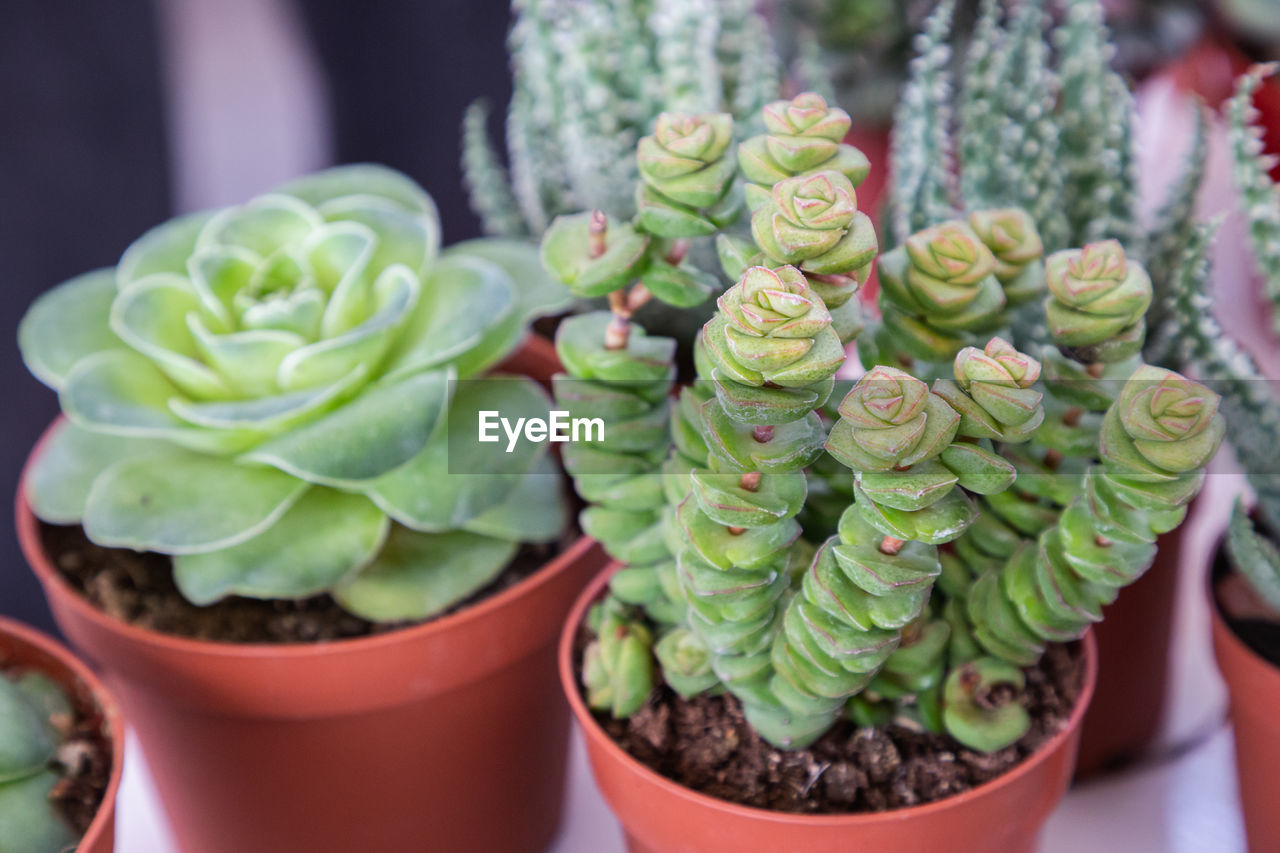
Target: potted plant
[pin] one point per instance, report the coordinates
(328, 610)
(1039, 120)
(828, 602)
(1244, 580)
(62, 742)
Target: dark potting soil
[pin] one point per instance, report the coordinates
(705, 744)
(138, 588)
(83, 760)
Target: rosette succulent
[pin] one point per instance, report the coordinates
(1010, 233)
(937, 288)
(35, 718)
(617, 667)
(998, 401)
(1097, 299)
(802, 135)
(813, 221)
(266, 393)
(686, 174)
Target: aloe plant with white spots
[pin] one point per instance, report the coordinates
(266, 392)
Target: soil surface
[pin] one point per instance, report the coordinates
(84, 762)
(138, 588)
(705, 744)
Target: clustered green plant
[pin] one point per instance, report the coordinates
(266, 393)
(35, 719)
(996, 499)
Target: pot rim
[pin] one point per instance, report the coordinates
(52, 580)
(103, 819)
(592, 730)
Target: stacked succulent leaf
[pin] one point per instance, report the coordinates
(970, 497)
(35, 717)
(267, 393)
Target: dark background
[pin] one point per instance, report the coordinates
(84, 166)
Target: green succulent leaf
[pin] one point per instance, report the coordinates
(324, 537)
(164, 248)
(185, 503)
(985, 729)
(374, 434)
(419, 575)
(448, 323)
(27, 822)
(450, 482)
(71, 459)
(26, 740)
(67, 324)
(120, 392)
(534, 511)
(537, 294)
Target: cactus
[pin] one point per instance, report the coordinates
(35, 717)
(265, 393)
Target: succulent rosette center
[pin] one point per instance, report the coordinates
(1096, 295)
(1010, 234)
(813, 220)
(888, 410)
(949, 254)
(1172, 421)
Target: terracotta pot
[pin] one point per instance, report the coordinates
(660, 816)
(1253, 684)
(448, 735)
(1134, 641)
(29, 649)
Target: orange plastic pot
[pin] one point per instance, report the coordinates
(658, 815)
(449, 735)
(28, 649)
(1253, 684)
(1134, 640)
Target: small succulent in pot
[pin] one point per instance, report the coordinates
(266, 393)
(987, 512)
(35, 719)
